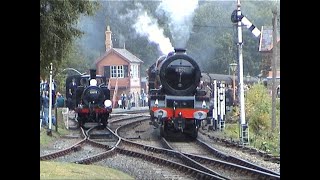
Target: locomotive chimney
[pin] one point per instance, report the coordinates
(108, 38)
(93, 73)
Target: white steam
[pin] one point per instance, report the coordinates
(148, 26)
(180, 14)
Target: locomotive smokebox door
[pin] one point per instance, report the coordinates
(93, 73)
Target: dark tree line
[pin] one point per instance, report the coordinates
(57, 29)
(212, 41)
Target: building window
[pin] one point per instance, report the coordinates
(134, 71)
(117, 71)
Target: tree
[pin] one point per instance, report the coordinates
(213, 40)
(77, 59)
(57, 28)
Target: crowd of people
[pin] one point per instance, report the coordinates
(126, 101)
(57, 101)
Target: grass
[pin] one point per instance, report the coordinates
(231, 131)
(62, 170)
(46, 139)
(267, 141)
(258, 111)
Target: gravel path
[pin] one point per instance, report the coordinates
(141, 169)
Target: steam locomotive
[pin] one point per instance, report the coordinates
(91, 98)
(177, 104)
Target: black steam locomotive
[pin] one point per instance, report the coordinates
(176, 102)
(89, 97)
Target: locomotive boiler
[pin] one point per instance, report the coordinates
(177, 103)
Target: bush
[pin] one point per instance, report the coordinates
(258, 107)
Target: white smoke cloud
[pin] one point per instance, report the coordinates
(180, 14)
(148, 26)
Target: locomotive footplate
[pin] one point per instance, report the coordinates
(179, 123)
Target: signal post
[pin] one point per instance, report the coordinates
(239, 18)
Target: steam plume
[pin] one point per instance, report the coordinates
(148, 26)
(180, 14)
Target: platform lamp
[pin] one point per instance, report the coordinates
(233, 67)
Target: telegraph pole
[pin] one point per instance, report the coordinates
(274, 67)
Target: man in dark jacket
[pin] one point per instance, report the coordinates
(60, 101)
(45, 104)
(72, 94)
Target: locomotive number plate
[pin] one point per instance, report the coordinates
(180, 69)
(93, 91)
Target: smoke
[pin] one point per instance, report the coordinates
(148, 26)
(179, 13)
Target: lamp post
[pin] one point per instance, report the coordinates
(233, 67)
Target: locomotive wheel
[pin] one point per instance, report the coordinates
(163, 131)
(194, 132)
(81, 123)
(104, 123)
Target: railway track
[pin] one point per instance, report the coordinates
(223, 164)
(83, 148)
(228, 167)
(181, 159)
(77, 153)
(124, 147)
(238, 146)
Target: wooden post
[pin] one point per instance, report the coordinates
(274, 68)
(56, 116)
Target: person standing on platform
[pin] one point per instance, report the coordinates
(60, 101)
(71, 98)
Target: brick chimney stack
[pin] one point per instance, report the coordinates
(108, 39)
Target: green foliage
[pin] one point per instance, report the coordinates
(75, 59)
(269, 142)
(231, 131)
(57, 28)
(212, 42)
(258, 108)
